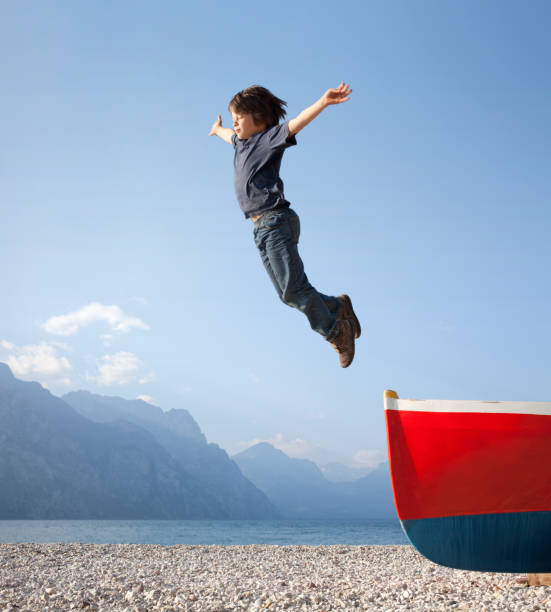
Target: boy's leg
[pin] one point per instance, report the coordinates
(340, 306)
(276, 236)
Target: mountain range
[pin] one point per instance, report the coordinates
(87, 456)
(299, 490)
(138, 463)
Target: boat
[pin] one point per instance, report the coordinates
(472, 481)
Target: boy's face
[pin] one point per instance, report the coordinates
(244, 125)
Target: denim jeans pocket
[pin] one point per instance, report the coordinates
(274, 220)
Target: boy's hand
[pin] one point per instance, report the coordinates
(224, 133)
(331, 96)
(215, 126)
(337, 96)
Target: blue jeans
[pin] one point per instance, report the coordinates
(276, 235)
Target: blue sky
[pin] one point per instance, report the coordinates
(129, 269)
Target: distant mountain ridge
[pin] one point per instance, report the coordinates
(105, 409)
(299, 490)
(180, 435)
(57, 463)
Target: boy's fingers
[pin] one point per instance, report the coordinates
(343, 89)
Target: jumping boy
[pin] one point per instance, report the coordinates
(259, 141)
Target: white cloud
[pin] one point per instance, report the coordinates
(146, 398)
(38, 362)
(107, 339)
(69, 324)
(121, 368)
(366, 458)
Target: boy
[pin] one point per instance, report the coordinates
(259, 141)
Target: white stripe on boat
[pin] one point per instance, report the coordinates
(541, 408)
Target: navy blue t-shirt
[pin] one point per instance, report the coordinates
(256, 164)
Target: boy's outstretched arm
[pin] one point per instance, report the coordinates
(331, 96)
(224, 133)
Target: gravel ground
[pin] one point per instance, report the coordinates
(136, 578)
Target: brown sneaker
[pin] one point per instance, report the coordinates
(343, 343)
(347, 312)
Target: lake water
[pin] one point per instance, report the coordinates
(283, 532)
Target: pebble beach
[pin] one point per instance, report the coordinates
(139, 578)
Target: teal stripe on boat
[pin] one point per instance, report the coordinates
(516, 542)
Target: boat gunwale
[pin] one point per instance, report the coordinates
(468, 406)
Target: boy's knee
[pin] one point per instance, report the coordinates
(288, 299)
(295, 295)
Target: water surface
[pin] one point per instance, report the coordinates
(282, 532)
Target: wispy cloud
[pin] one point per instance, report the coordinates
(146, 398)
(143, 380)
(39, 362)
(107, 339)
(114, 316)
(367, 458)
(122, 368)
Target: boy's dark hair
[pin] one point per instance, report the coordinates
(260, 103)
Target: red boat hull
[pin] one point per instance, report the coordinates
(473, 488)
